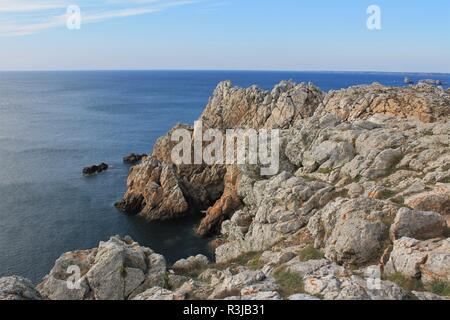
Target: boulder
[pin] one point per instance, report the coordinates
(421, 225)
(353, 231)
(190, 264)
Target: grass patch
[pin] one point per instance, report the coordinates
(357, 178)
(310, 253)
(386, 194)
(405, 282)
(325, 170)
(441, 288)
(289, 283)
(251, 260)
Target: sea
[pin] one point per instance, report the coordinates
(52, 124)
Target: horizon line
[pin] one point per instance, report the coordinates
(221, 70)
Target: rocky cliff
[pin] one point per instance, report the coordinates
(359, 210)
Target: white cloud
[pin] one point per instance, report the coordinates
(26, 17)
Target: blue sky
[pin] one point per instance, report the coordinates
(226, 34)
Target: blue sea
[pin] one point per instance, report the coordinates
(52, 124)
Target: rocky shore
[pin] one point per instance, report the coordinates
(359, 210)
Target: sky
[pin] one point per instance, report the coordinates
(303, 35)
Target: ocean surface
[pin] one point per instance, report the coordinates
(52, 124)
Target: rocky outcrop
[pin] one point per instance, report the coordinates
(89, 171)
(118, 269)
(154, 191)
(121, 269)
(423, 101)
(372, 141)
(361, 200)
(418, 225)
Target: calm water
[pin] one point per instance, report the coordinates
(52, 124)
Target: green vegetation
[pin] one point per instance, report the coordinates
(290, 283)
(123, 271)
(441, 288)
(250, 260)
(325, 170)
(386, 194)
(310, 253)
(405, 282)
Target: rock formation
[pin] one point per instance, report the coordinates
(358, 210)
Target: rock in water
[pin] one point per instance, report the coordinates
(88, 171)
(133, 158)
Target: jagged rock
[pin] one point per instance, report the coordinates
(426, 260)
(224, 207)
(118, 269)
(154, 192)
(232, 107)
(17, 288)
(421, 225)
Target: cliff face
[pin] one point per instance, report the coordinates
(362, 198)
(301, 111)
